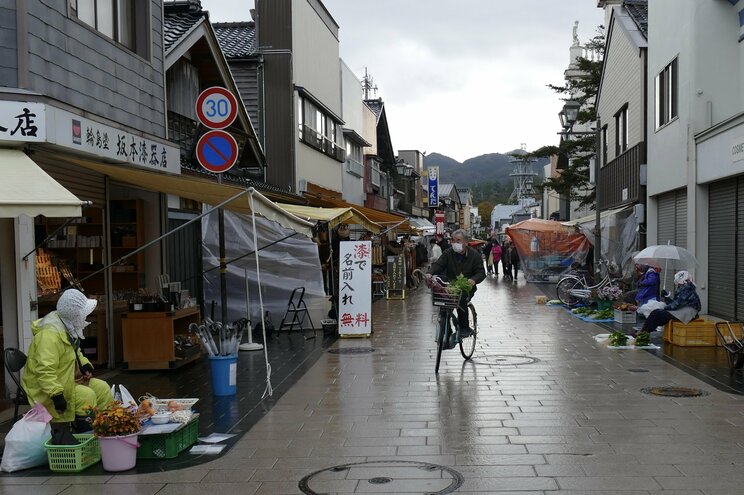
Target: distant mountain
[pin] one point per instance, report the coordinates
(493, 167)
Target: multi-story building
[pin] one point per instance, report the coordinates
(415, 158)
(355, 113)
(301, 85)
(466, 203)
(695, 159)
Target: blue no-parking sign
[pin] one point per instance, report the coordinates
(217, 151)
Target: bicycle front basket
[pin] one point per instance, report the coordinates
(442, 298)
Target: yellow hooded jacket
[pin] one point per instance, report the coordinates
(50, 367)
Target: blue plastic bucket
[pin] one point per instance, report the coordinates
(224, 374)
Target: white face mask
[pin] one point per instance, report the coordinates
(457, 247)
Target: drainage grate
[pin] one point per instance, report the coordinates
(675, 391)
(440, 480)
(637, 370)
(352, 350)
(504, 360)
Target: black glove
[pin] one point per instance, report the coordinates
(60, 404)
(87, 368)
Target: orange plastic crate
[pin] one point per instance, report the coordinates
(697, 333)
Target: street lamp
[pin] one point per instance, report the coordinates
(568, 117)
(404, 170)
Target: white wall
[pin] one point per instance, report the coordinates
(315, 56)
(353, 115)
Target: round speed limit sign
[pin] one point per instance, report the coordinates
(216, 107)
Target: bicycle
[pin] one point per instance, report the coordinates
(573, 289)
(447, 304)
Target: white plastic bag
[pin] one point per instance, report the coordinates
(24, 444)
(651, 305)
(121, 394)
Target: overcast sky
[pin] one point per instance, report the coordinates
(462, 78)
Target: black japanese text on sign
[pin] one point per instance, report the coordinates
(355, 287)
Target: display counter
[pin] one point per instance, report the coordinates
(148, 338)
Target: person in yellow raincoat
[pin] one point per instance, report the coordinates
(54, 355)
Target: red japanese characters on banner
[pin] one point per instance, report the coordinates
(439, 220)
(355, 288)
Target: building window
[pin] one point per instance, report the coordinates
(374, 172)
(621, 130)
(319, 130)
(354, 158)
(604, 145)
(666, 94)
(124, 21)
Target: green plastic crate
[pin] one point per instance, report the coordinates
(169, 445)
(73, 458)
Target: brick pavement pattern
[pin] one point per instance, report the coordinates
(574, 422)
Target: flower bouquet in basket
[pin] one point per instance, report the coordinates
(116, 425)
(609, 293)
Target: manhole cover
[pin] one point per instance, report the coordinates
(503, 360)
(674, 391)
(418, 477)
(380, 480)
(352, 350)
(637, 370)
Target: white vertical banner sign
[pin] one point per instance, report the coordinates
(355, 288)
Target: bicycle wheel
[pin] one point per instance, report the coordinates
(564, 288)
(443, 323)
(467, 345)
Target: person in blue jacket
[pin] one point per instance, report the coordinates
(648, 285)
(684, 307)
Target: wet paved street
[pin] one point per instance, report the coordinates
(541, 409)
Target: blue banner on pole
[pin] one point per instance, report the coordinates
(433, 187)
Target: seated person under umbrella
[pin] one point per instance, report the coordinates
(684, 307)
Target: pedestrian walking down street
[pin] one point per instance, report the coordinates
(487, 256)
(514, 261)
(506, 260)
(496, 255)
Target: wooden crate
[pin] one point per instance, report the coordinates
(697, 333)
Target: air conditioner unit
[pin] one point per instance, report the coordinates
(301, 186)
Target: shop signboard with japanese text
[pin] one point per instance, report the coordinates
(396, 270)
(88, 136)
(439, 221)
(22, 121)
(433, 187)
(355, 288)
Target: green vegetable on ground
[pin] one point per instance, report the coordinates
(618, 339)
(643, 339)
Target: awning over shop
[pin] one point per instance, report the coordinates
(383, 218)
(333, 216)
(25, 189)
(423, 225)
(593, 217)
(201, 190)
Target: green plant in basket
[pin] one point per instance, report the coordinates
(114, 419)
(618, 339)
(459, 285)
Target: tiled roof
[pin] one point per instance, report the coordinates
(638, 11)
(445, 189)
(237, 39)
(195, 169)
(375, 106)
(180, 17)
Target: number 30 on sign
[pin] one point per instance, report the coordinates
(216, 107)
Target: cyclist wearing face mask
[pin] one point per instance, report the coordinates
(460, 259)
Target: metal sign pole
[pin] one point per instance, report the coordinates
(223, 265)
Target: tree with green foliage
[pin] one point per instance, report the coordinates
(573, 181)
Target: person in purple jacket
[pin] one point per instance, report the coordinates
(648, 285)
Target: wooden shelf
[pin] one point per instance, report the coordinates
(148, 338)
